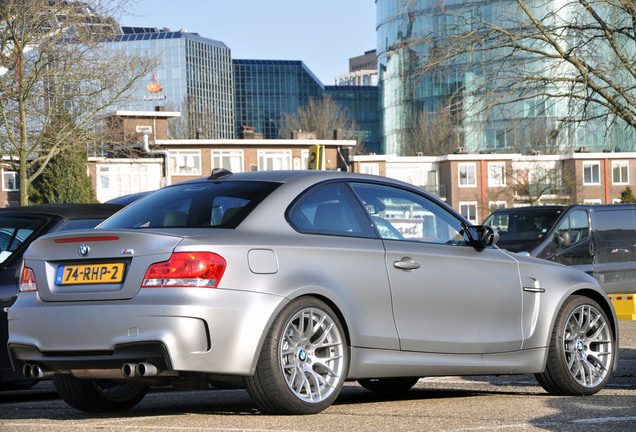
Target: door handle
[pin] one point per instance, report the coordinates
(406, 263)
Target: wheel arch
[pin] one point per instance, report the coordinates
(309, 294)
(604, 302)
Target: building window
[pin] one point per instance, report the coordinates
(494, 205)
(304, 159)
(497, 174)
(591, 173)
(592, 201)
(231, 160)
(469, 210)
(10, 181)
(185, 162)
(269, 160)
(467, 174)
(620, 172)
(370, 168)
(104, 178)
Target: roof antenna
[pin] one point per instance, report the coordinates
(218, 173)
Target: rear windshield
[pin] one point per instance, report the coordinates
(193, 205)
(15, 231)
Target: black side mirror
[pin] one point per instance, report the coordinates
(562, 240)
(483, 236)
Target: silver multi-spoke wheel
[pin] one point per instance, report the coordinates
(587, 346)
(582, 350)
(304, 360)
(311, 355)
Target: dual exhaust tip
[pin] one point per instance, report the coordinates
(128, 370)
(35, 371)
(143, 369)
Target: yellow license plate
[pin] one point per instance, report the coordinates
(90, 274)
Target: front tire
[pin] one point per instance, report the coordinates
(581, 352)
(303, 363)
(92, 395)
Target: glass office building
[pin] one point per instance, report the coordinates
(265, 89)
(194, 76)
(406, 91)
(362, 104)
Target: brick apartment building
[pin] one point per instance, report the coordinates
(476, 184)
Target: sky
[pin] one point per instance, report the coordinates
(324, 34)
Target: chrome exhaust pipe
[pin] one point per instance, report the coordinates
(37, 372)
(27, 370)
(146, 369)
(129, 370)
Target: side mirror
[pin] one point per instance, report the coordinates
(562, 240)
(483, 236)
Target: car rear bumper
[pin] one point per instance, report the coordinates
(182, 329)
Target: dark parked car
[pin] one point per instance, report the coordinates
(598, 239)
(19, 226)
(296, 281)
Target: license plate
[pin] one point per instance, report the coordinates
(90, 274)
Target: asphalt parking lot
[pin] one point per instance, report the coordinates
(505, 403)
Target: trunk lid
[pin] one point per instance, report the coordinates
(96, 265)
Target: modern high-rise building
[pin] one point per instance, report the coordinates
(194, 76)
(265, 89)
(407, 90)
(362, 104)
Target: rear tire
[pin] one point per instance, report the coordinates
(92, 395)
(389, 385)
(303, 363)
(581, 351)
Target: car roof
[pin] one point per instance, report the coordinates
(66, 210)
(530, 208)
(285, 176)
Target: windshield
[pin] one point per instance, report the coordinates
(193, 205)
(522, 229)
(15, 231)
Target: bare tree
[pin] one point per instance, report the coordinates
(572, 59)
(54, 54)
(435, 134)
(321, 116)
(539, 181)
(192, 124)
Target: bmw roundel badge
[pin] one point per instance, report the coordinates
(84, 249)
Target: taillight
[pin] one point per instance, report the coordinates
(27, 280)
(186, 269)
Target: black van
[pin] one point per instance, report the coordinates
(598, 239)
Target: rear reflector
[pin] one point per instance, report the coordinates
(186, 269)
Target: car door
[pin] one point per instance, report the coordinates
(578, 251)
(448, 297)
(614, 257)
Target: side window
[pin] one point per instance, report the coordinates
(615, 231)
(329, 209)
(402, 215)
(576, 225)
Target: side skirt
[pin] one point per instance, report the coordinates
(376, 363)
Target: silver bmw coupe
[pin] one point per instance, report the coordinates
(292, 282)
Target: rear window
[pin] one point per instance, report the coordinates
(14, 232)
(80, 224)
(193, 205)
